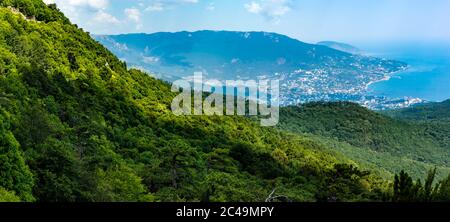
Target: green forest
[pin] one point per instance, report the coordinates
(77, 125)
(389, 141)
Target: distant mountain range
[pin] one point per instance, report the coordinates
(308, 72)
(341, 47)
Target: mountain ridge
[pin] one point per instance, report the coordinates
(307, 72)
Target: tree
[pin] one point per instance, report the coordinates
(14, 173)
(428, 191)
(342, 183)
(180, 161)
(57, 171)
(8, 196)
(443, 190)
(34, 127)
(403, 188)
(120, 184)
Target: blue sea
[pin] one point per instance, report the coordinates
(428, 75)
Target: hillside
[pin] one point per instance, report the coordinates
(433, 119)
(426, 112)
(77, 125)
(307, 72)
(228, 54)
(395, 143)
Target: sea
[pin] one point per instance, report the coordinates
(428, 74)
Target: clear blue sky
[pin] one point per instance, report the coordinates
(307, 20)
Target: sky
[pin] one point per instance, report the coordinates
(306, 20)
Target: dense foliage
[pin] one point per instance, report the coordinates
(428, 111)
(35, 10)
(372, 137)
(433, 120)
(77, 125)
(406, 190)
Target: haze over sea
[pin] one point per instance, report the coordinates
(428, 76)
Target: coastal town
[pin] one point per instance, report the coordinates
(328, 83)
(311, 73)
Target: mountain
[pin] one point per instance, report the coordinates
(341, 47)
(77, 125)
(374, 138)
(432, 118)
(307, 72)
(429, 111)
(221, 54)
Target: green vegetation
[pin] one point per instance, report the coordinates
(405, 190)
(372, 138)
(429, 111)
(7, 196)
(77, 125)
(433, 119)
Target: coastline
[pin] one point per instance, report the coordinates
(386, 77)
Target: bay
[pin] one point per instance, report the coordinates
(428, 75)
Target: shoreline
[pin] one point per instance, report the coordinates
(386, 77)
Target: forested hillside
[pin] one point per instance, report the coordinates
(77, 125)
(432, 119)
(428, 111)
(390, 144)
